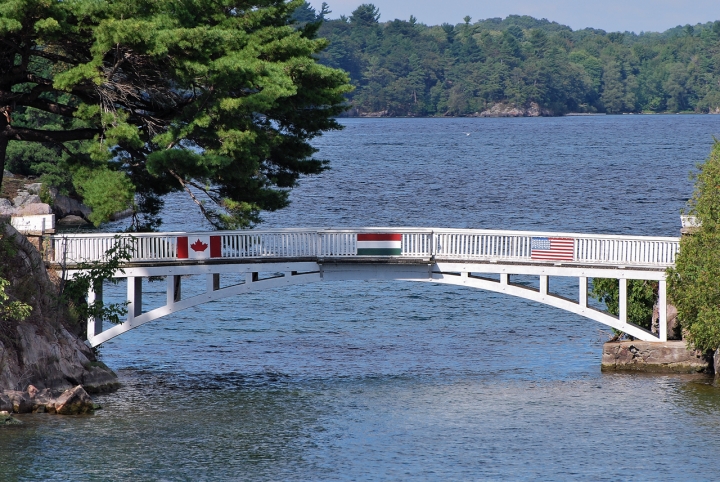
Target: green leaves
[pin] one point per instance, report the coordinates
(104, 191)
(15, 310)
(178, 93)
(693, 284)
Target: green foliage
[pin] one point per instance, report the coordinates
(15, 310)
(100, 91)
(75, 290)
(641, 298)
(693, 283)
(461, 69)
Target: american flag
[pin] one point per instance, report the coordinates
(552, 249)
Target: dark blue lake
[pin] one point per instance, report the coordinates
(378, 381)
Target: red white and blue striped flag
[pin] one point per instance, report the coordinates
(552, 249)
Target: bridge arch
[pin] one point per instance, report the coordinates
(494, 277)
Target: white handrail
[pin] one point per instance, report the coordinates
(446, 244)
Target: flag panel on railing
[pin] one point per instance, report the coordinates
(198, 247)
(379, 244)
(552, 249)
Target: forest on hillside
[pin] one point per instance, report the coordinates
(406, 68)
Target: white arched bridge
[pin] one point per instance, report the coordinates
(483, 259)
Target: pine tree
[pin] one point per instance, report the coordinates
(219, 98)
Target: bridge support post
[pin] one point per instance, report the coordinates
(213, 282)
(544, 284)
(173, 289)
(662, 310)
(94, 325)
(622, 307)
(583, 291)
(134, 296)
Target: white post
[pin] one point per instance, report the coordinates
(504, 278)
(173, 289)
(134, 296)
(94, 325)
(213, 282)
(544, 284)
(582, 287)
(623, 300)
(662, 310)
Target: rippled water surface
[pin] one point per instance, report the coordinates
(375, 381)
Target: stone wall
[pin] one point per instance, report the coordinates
(648, 356)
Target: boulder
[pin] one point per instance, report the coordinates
(72, 220)
(20, 401)
(73, 402)
(6, 207)
(67, 206)
(33, 209)
(7, 419)
(8, 174)
(33, 188)
(5, 403)
(24, 198)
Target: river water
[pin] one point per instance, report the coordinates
(377, 381)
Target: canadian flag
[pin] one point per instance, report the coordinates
(198, 247)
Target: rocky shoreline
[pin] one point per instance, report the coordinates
(73, 401)
(44, 361)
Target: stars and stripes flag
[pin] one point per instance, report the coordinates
(198, 247)
(379, 244)
(552, 249)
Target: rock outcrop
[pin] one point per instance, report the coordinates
(510, 110)
(46, 350)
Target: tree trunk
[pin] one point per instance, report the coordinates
(3, 149)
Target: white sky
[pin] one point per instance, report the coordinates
(609, 15)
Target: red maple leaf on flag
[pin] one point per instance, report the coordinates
(199, 246)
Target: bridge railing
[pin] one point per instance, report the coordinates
(446, 244)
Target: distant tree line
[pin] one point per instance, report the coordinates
(404, 67)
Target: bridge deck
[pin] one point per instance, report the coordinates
(369, 245)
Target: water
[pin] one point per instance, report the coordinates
(375, 381)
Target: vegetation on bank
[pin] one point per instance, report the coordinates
(403, 67)
(693, 284)
(119, 102)
(642, 295)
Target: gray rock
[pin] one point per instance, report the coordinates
(72, 220)
(66, 206)
(673, 325)
(8, 174)
(716, 363)
(20, 198)
(7, 419)
(73, 402)
(33, 188)
(20, 401)
(6, 207)
(5, 403)
(30, 199)
(33, 209)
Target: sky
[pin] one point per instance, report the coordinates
(610, 15)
